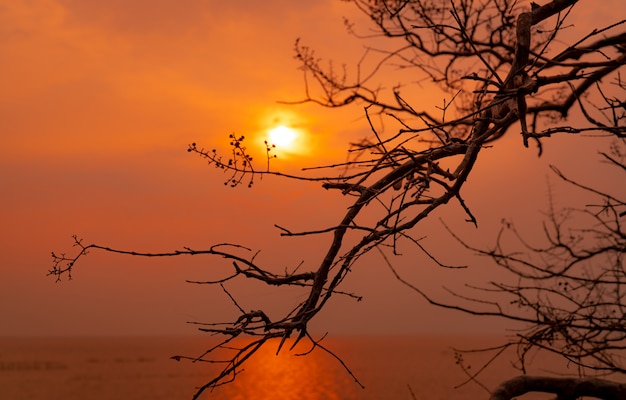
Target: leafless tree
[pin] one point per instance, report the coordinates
(505, 70)
(567, 291)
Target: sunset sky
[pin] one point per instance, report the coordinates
(100, 100)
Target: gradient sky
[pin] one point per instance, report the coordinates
(100, 101)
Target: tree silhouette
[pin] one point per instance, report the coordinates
(506, 71)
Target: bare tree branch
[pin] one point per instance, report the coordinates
(501, 67)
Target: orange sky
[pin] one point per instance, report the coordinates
(100, 101)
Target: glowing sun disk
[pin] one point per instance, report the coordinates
(282, 136)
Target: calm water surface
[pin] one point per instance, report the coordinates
(141, 368)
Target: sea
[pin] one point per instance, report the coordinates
(142, 368)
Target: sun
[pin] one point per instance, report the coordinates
(282, 136)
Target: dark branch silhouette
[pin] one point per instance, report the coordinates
(506, 71)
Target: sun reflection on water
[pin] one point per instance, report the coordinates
(287, 375)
